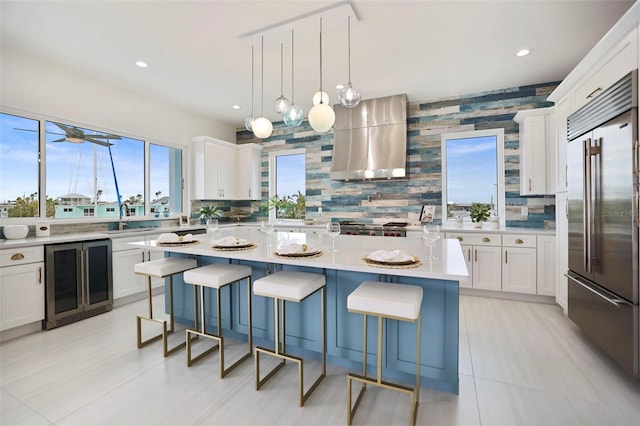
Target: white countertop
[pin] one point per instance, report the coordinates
(348, 257)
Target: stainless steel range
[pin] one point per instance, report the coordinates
(390, 229)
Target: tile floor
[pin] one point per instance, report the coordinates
(521, 363)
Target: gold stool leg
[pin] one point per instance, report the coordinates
(202, 332)
(139, 318)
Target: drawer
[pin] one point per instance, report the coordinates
(478, 239)
(519, 240)
(19, 256)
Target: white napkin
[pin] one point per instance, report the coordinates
(168, 238)
(294, 248)
(230, 241)
(394, 255)
(174, 238)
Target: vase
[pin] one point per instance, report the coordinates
(477, 224)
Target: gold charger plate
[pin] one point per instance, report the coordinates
(178, 243)
(307, 255)
(241, 247)
(414, 262)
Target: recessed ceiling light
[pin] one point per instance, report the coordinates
(236, 107)
(523, 52)
(142, 64)
(339, 86)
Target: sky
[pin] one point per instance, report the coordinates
(471, 170)
(70, 167)
(290, 174)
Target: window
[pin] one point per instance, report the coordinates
(287, 181)
(472, 172)
(19, 177)
(165, 178)
(85, 172)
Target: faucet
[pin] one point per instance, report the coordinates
(121, 224)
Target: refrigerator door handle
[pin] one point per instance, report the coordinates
(587, 204)
(614, 301)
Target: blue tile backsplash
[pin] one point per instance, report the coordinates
(426, 121)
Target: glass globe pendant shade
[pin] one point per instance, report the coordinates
(349, 96)
(293, 116)
(262, 127)
(321, 118)
(281, 103)
(318, 95)
(248, 123)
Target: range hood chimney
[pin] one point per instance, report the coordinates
(370, 140)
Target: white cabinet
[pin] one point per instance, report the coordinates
(562, 250)
(248, 172)
(124, 258)
(546, 265)
(563, 109)
(538, 151)
(21, 286)
(482, 255)
(620, 60)
(224, 171)
(519, 263)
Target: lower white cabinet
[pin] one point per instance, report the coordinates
(124, 258)
(482, 255)
(519, 265)
(21, 286)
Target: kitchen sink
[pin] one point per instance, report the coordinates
(129, 230)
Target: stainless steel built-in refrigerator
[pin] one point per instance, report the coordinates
(603, 159)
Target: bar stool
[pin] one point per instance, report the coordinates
(293, 286)
(385, 300)
(217, 276)
(162, 268)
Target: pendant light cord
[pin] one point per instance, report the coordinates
(252, 102)
(292, 103)
(349, 43)
(321, 61)
(281, 69)
(262, 80)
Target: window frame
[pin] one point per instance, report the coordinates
(273, 156)
(498, 133)
(41, 158)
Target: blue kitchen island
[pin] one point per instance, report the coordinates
(344, 270)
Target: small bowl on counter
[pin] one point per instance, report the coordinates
(15, 232)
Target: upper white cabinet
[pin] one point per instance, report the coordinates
(538, 151)
(224, 171)
(248, 174)
(620, 60)
(563, 110)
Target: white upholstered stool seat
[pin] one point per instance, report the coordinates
(398, 301)
(217, 276)
(385, 300)
(292, 286)
(289, 285)
(161, 268)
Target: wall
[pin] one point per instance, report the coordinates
(426, 122)
(32, 85)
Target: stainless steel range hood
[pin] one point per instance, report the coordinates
(370, 140)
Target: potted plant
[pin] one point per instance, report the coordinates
(479, 213)
(208, 212)
(288, 207)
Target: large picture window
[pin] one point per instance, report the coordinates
(86, 173)
(472, 172)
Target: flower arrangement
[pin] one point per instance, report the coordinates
(208, 212)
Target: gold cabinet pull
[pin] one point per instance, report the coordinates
(17, 256)
(486, 240)
(519, 241)
(460, 238)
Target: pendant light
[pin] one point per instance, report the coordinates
(262, 126)
(248, 122)
(349, 96)
(293, 114)
(321, 116)
(281, 103)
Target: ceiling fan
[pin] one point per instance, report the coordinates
(76, 135)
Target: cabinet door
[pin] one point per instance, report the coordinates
(211, 174)
(486, 268)
(546, 265)
(98, 267)
(533, 140)
(125, 281)
(226, 172)
(21, 295)
(562, 250)
(519, 270)
(467, 252)
(248, 176)
(563, 110)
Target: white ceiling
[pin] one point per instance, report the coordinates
(199, 61)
